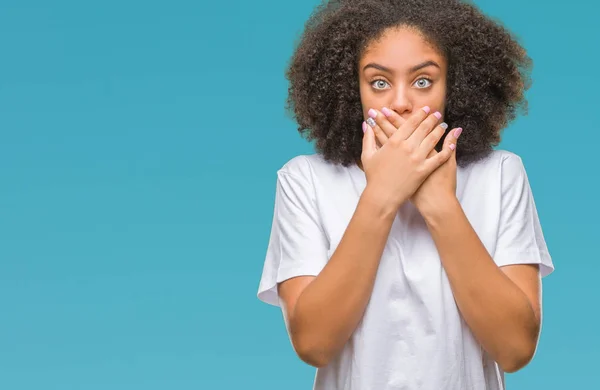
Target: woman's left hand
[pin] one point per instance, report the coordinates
(440, 186)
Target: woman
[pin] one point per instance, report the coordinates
(407, 253)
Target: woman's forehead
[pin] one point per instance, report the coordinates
(401, 47)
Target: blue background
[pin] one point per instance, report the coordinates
(139, 142)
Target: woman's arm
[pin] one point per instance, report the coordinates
(322, 312)
(502, 306)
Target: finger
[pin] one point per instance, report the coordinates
(393, 117)
(411, 124)
(382, 121)
(430, 141)
(426, 127)
(441, 157)
(369, 146)
(452, 139)
(379, 134)
(449, 146)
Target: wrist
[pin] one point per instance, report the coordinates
(378, 204)
(441, 210)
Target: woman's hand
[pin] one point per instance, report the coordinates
(440, 186)
(407, 156)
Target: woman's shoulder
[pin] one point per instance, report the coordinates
(497, 160)
(311, 166)
(314, 168)
(499, 170)
(307, 164)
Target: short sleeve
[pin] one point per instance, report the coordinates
(520, 236)
(297, 244)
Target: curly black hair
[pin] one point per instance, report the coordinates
(488, 72)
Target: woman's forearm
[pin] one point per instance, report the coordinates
(331, 306)
(495, 308)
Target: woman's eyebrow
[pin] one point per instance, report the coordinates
(411, 70)
(423, 65)
(378, 67)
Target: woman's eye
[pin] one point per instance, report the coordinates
(379, 84)
(423, 83)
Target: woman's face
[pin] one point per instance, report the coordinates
(402, 72)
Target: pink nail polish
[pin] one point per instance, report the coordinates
(457, 132)
(372, 113)
(386, 111)
(452, 146)
(364, 126)
(426, 109)
(438, 115)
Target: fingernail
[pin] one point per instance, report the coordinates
(457, 132)
(426, 109)
(452, 146)
(438, 115)
(371, 122)
(444, 125)
(372, 113)
(386, 111)
(364, 126)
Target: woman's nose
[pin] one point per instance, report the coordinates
(401, 102)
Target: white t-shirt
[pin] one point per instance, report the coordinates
(412, 335)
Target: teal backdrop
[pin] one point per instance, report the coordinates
(139, 142)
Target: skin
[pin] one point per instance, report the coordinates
(502, 306)
(398, 88)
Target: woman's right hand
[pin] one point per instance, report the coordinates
(396, 170)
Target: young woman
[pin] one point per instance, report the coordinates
(407, 253)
